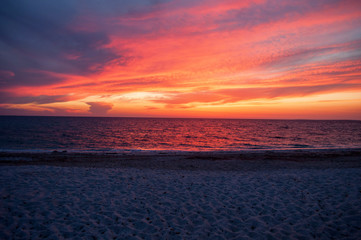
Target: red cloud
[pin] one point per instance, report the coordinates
(192, 52)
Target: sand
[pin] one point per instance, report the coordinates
(194, 199)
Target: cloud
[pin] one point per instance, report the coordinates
(298, 57)
(23, 112)
(6, 74)
(240, 94)
(78, 85)
(183, 98)
(194, 52)
(269, 12)
(10, 98)
(39, 36)
(73, 38)
(99, 108)
(243, 94)
(6, 109)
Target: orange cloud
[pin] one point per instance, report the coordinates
(195, 58)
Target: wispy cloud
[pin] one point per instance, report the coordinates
(194, 53)
(244, 94)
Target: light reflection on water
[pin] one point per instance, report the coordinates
(74, 133)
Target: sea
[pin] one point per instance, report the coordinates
(95, 134)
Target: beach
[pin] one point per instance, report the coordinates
(232, 195)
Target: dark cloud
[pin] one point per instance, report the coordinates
(39, 36)
(46, 111)
(24, 112)
(7, 98)
(270, 11)
(99, 108)
(77, 85)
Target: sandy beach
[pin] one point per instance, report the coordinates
(268, 195)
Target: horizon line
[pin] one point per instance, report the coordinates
(210, 118)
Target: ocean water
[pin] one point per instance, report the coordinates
(132, 134)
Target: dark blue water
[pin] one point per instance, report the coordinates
(119, 134)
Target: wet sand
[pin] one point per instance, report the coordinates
(211, 161)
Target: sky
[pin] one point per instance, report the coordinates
(276, 59)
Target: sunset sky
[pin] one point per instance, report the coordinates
(190, 58)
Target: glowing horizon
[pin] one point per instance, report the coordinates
(212, 59)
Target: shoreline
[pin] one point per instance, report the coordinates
(210, 161)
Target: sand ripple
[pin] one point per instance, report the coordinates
(96, 203)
